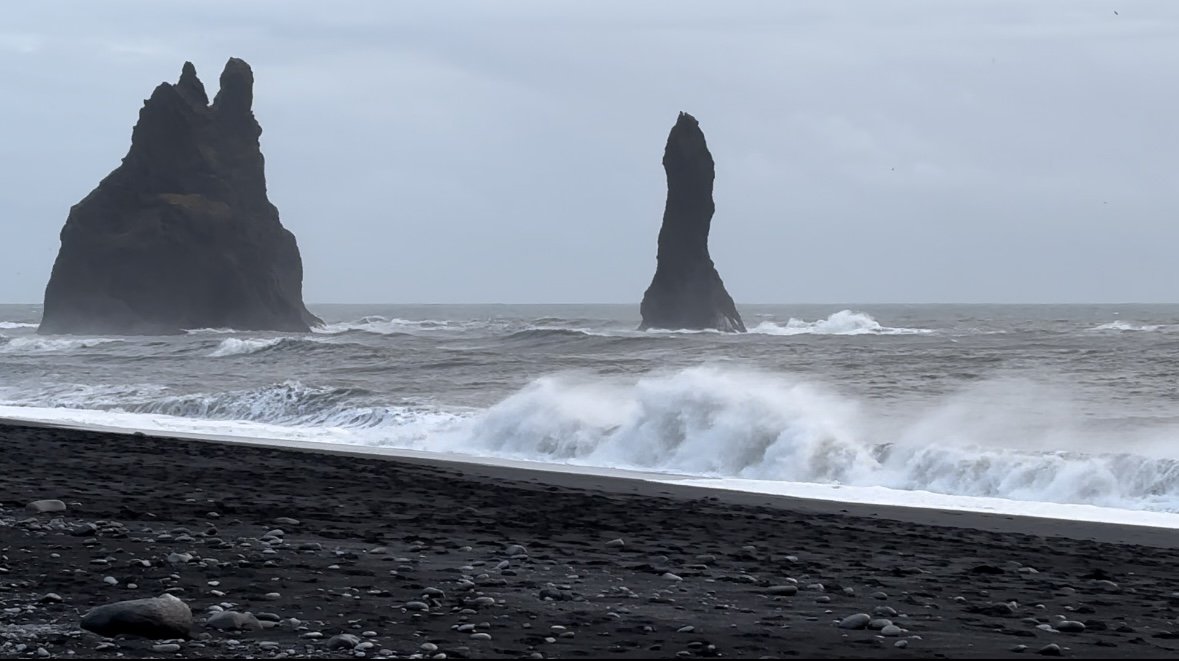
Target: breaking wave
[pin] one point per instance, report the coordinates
(51, 344)
(1001, 438)
(12, 325)
(393, 326)
(1120, 325)
(288, 403)
(234, 346)
(844, 322)
(237, 347)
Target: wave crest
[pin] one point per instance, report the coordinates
(728, 423)
(1120, 325)
(287, 403)
(844, 322)
(52, 344)
(379, 325)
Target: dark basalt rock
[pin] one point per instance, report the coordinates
(687, 292)
(182, 234)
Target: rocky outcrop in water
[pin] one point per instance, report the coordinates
(686, 291)
(181, 235)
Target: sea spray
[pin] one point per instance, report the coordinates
(844, 322)
(1003, 437)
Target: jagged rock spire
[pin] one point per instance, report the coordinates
(181, 234)
(687, 291)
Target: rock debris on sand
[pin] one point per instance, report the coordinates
(315, 555)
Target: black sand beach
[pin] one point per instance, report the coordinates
(425, 558)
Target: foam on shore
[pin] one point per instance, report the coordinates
(230, 432)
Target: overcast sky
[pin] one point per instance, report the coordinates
(510, 151)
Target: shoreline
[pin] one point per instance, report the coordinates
(422, 556)
(617, 480)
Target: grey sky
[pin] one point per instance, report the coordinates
(510, 151)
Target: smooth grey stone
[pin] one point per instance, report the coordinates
(857, 621)
(157, 617)
(782, 590)
(234, 621)
(46, 506)
(344, 641)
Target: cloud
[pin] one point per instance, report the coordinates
(510, 151)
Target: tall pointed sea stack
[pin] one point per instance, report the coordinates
(181, 235)
(687, 292)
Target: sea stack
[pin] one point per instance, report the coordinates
(181, 235)
(687, 292)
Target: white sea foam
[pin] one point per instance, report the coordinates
(51, 344)
(12, 325)
(844, 322)
(232, 346)
(390, 326)
(733, 424)
(1006, 438)
(1120, 325)
(210, 331)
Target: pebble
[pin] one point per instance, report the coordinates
(1070, 626)
(686, 629)
(166, 648)
(616, 542)
(232, 620)
(857, 621)
(782, 590)
(423, 606)
(84, 530)
(110, 580)
(901, 644)
(1051, 649)
(891, 630)
(671, 577)
(46, 506)
(343, 641)
(481, 636)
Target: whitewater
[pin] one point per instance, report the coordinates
(1062, 411)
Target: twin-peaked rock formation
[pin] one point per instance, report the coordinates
(181, 235)
(687, 292)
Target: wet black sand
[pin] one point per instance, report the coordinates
(416, 557)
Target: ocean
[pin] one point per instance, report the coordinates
(1055, 410)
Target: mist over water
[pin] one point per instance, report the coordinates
(1061, 404)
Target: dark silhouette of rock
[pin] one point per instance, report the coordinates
(686, 291)
(181, 235)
